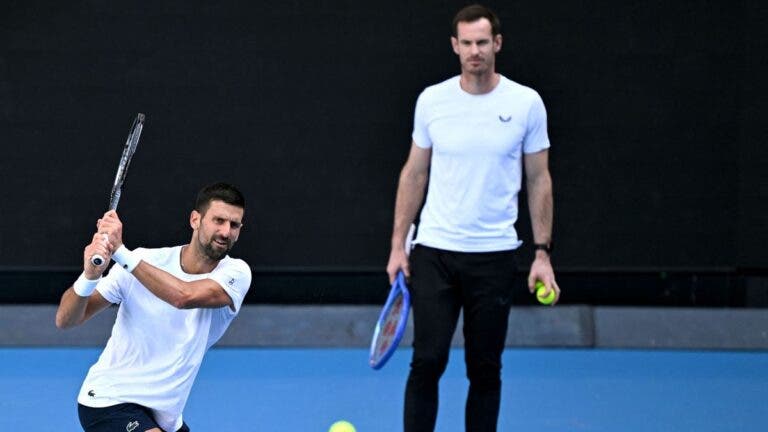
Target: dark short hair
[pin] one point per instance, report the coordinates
(473, 13)
(218, 192)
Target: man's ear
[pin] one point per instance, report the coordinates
(455, 45)
(497, 43)
(194, 220)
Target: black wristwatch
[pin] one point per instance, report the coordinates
(546, 247)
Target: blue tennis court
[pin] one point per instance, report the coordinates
(308, 389)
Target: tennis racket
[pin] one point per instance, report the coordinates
(394, 315)
(391, 324)
(122, 169)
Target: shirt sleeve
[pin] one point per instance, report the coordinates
(112, 287)
(235, 278)
(420, 133)
(536, 137)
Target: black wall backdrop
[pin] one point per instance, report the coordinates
(656, 116)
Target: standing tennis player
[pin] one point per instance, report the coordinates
(472, 135)
(175, 303)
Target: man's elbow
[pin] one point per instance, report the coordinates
(540, 180)
(413, 178)
(62, 323)
(180, 303)
(177, 295)
(183, 300)
(189, 300)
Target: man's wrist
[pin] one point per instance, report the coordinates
(126, 258)
(398, 244)
(84, 287)
(547, 248)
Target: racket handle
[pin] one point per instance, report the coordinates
(97, 260)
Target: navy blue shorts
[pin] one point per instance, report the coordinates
(127, 417)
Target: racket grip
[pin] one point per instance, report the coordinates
(97, 260)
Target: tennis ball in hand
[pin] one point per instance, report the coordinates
(540, 290)
(342, 426)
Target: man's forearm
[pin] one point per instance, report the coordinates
(71, 309)
(201, 293)
(410, 194)
(540, 207)
(162, 284)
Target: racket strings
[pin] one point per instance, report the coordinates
(388, 331)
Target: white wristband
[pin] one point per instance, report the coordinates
(84, 287)
(126, 258)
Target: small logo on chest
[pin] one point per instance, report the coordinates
(131, 426)
(505, 119)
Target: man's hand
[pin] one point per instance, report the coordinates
(98, 246)
(111, 226)
(541, 269)
(398, 260)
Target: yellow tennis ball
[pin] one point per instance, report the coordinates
(540, 290)
(342, 426)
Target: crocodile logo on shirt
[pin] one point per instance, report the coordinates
(131, 426)
(91, 393)
(231, 282)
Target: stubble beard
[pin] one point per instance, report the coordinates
(477, 71)
(213, 253)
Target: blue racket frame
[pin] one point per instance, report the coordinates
(398, 287)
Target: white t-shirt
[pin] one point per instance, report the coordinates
(477, 144)
(155, 350)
